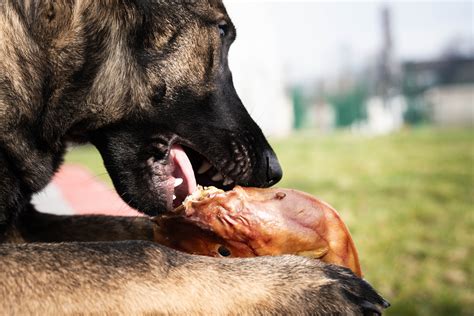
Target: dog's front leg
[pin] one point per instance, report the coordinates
(138, 277)
(33, 226)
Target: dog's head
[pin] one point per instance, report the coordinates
(188, 125)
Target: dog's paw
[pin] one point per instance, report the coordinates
(349, 294)
(310, 287)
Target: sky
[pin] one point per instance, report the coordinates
(316, 39)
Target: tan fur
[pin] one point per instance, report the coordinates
(202, 286)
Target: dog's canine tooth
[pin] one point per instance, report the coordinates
(174, 197)
(228, 181)
(217, 177)
(204, 167)
(178, 182)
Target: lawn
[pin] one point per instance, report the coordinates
(408, 200)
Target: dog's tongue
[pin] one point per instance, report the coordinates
(184, 170)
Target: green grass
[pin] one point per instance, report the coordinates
(408, 200)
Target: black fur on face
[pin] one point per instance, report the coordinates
(192, 103)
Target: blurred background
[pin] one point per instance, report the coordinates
(370, 107)
(370, 67)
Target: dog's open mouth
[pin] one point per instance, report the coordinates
(188, 169)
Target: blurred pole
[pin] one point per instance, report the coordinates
(386, 58)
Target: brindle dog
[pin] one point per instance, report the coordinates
(135, 78)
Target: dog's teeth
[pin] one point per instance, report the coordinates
(217, 177)
(178, 182)
(174, 197)
(228, 181)
(204, 167)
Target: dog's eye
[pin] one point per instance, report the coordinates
(223, 28)
(223, 251)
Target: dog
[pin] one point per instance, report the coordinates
(148, 83)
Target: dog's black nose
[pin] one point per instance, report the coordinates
(274, 172)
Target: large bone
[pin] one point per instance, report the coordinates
(248, 222)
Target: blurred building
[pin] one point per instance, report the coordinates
(384, 115)
(443, 90)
